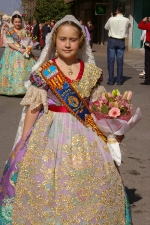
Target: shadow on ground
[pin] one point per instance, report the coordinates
(132, 195)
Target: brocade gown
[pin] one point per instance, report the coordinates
(63, 174)
(14, 69)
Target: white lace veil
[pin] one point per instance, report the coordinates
(85, 54)
(17, 13)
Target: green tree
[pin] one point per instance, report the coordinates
(51, 9)
(28, 8)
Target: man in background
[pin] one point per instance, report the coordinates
(45, 30)
(91, 31)
(36, 31)
(117, 27)
(145, 25)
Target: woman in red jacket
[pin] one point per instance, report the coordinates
(145, 25)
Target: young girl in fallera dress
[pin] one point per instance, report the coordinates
(14, 67)
(61, 171)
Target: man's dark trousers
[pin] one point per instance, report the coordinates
(116, 48)
(147, 64)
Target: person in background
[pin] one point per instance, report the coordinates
(49, 24)
(113, 14)
(45, 31)
(5, 26)
(28, 27)
(32, 26)
(52, 23)
(40, 36)
(85, 29)
(145, 25)
(36, 31)
(117, 27)
(91, 31)
(143, 39)
(15, 68)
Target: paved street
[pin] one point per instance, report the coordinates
(135, 147)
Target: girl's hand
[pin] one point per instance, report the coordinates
(145, 19)
(22, 50)
(119, 138)
(5, 27)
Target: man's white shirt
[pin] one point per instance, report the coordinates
(118, 26)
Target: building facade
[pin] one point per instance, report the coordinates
(135, 11)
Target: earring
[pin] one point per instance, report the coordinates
(56, 54)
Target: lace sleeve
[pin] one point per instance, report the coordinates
(35, 97)
(36, 94)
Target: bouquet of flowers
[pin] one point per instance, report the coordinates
(114, 115)
(28, 42)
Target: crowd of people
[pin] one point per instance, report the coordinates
(40, 30)
(52, 176)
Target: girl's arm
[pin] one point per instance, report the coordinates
(29, 121)
(14, 47)
(31, 117)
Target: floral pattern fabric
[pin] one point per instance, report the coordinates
(63, 173)
(14, 70)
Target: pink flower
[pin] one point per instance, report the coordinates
(109, 95)
(104, 99)
(114, 112)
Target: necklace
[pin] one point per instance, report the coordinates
(70, 72)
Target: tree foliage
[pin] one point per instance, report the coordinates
(28, 7)
(51, 9)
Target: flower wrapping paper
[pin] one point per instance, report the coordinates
(28, 43)
(112, 127)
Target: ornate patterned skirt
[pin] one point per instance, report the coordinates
(64, 175)
(14, 71)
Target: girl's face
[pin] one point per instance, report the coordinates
(17, 23)
(67, 41)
